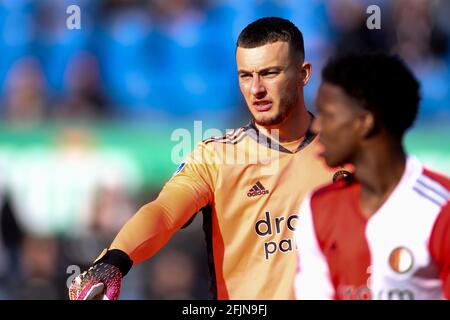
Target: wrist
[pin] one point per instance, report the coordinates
(117, 258)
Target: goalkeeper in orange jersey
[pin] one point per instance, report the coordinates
(248, 184)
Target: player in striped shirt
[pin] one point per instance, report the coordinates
(385, 233)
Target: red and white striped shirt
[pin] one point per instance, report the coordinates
(401, 252)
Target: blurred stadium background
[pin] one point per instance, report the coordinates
(87, 117)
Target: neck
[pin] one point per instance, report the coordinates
(379, 170)
(292, 128)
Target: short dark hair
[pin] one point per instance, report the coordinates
(383, 85)
(269, 30)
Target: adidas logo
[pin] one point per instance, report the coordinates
(257, 190)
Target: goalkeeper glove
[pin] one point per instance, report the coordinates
(104, 277)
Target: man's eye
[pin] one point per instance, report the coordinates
(271, 73)
(326, 114)
(245, 76)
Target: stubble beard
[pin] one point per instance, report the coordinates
(287, 105)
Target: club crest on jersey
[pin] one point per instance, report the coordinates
(180, 167)
(340, 175)
(401, 260)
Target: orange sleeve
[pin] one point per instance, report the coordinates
(188, 191)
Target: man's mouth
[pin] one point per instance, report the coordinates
(262, 105)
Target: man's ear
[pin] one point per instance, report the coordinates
(306, 72)
(369, 125)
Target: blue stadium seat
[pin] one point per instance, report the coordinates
(16, 37)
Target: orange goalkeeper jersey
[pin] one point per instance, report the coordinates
(249, 189)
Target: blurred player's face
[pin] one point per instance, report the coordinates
(271, 80)
(339, 123)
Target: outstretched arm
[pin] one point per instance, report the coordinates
(150, 228)
(155, 223)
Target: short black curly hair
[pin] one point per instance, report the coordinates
(383, 85)
(269, 30)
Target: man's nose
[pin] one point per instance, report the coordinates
(315, 125)
(257, 87)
